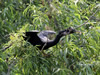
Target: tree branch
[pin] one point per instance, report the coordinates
(88, 19)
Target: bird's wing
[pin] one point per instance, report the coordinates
(44, 35)
(33, 38)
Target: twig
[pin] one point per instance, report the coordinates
(7, 47)
(9, 67)
(45, 44)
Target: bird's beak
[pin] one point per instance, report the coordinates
(70, 32)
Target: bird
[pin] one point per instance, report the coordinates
(41, 39)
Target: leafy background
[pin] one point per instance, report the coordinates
(75, 54)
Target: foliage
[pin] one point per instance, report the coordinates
(76, 54)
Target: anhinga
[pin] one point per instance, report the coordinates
(41, 39)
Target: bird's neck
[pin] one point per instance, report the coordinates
(55, 41)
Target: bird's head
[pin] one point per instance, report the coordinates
(70, 30)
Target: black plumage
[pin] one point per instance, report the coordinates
(41, 39)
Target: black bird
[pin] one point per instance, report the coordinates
(41, 39)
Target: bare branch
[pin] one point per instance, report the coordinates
(88, 19)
